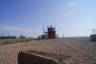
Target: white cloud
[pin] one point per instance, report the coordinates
(70, 8)
(69, 13)
(71, 4)
(24, 31)
(16, 29)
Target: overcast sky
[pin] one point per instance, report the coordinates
(27, 17)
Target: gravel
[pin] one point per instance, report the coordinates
(82, 50)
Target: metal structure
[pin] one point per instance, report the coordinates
(21, 37)
(93, 35)
(51, 32)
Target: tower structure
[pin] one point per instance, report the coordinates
(51, 32)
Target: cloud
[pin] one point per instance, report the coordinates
(16, 29)
(25, 31)
(28, 32)
(69, 13)
(70, 8)
(71, 4)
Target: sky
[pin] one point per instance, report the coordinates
(28, 17)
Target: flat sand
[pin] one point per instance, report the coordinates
(82, 50)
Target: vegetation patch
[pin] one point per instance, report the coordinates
(12, 41)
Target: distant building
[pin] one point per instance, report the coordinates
(93, 37)
(51, 32)
(21, 37)
(43, 37)
(7, 37)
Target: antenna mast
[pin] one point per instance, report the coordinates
(43, 30)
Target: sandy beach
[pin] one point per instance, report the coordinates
(82, 50)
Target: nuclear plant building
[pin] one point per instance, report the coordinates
(51, 32)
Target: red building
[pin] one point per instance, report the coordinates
(51, 32)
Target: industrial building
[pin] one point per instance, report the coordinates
(7, 37)
(93, 37)
(22, 37)
(50, 34)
